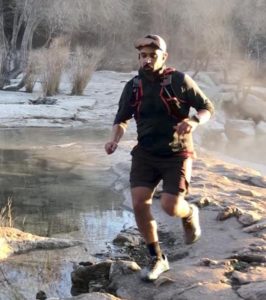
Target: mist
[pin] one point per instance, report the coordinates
(225, 40)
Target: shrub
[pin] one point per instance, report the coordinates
(49, 64)
(6, 219)
(83, 62)
(32, 71)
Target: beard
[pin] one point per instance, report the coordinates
(148, 68)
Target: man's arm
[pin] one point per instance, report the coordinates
(190, 124)
(123, 115)
(200, 102)
(117, 133)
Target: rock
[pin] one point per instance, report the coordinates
(124, 238)
(250, 257)
(204, 201)
(260, 92)
(162, 280)
(208, 262)
(253, 291)
(256, 275)
(255, 228)
(205, 78)
(249, 218)
(248, 193)
(261, 129)
(43, 100)
(214, 136)
(240, 130)
(94, 296)
(85, 277)
(41, 295)
(15, 241)
(254, 107)
(257, 248)
(258, 181)
(120, 268)
(228, 212)
(176, 293)
(227, 97)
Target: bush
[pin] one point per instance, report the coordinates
(32, 71)
(49, 64)
(83, 62)
(6, 218)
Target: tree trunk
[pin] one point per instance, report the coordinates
(25, 47)
(3, 49)
(19, 86)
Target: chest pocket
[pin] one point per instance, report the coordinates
(168, 94)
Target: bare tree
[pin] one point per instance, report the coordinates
(26, 16)
(3, 47)
(250, 23)
(104, 19)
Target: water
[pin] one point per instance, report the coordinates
(59, 183)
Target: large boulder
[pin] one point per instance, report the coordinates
(240, 130)
(253, 107)
(261, 129)
(213, 136)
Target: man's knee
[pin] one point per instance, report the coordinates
(173, 205)
(141, 199)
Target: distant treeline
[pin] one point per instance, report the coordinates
(200, 34)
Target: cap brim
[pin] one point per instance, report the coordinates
(145, 42)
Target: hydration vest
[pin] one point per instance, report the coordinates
(167, 94)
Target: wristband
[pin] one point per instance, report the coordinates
(196, 118)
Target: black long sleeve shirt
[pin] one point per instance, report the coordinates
(154, 122)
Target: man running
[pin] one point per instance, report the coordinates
(159, 99)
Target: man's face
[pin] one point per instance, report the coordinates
(151, 59)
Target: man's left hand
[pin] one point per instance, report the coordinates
(186, 126)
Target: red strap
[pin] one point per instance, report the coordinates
(168, 71)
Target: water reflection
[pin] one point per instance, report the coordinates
(59, 183)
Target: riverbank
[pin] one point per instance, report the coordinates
(229, 260)
(227, 263)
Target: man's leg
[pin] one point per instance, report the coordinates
(142, 200)
(175, 205)
(176, 182)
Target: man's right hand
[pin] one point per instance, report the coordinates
(110, 147)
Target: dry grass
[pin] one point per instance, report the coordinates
(49, 65)
(32, 72)
(53, 63)
(6, 218)
(83, 62)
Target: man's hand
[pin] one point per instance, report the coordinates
(110, 147)
(186, 126)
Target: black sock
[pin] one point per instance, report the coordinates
(154, 249)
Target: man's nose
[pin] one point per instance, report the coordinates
(148, 59)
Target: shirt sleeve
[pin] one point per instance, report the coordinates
(196, 97)
(125, 109)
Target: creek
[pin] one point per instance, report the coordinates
(58, 182)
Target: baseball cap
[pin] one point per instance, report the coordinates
(151, 40)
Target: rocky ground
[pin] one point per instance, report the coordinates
(227, 263)
(229, 260)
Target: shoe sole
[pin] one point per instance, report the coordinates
(198, 235)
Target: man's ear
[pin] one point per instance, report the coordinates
(165, 55)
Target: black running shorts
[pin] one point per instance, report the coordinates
(148, 170)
